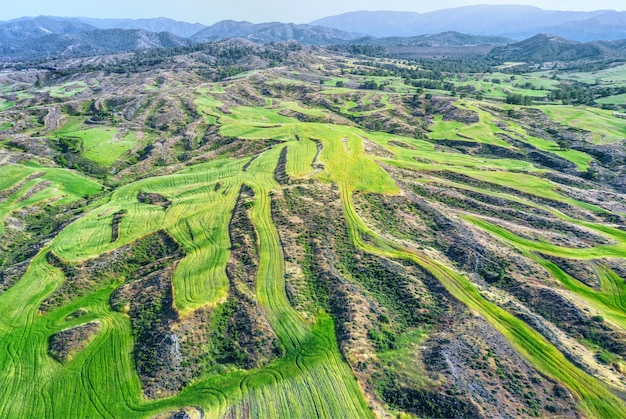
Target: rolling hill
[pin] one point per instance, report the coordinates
(542, 48)
(239, 230)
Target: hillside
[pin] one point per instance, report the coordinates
(27, 28)
(91, 43)
(541, 48)
(610, 25)
(178, 28)
(444, 39)
(272, 32)
(235, 230)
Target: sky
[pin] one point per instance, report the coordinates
(211, 11)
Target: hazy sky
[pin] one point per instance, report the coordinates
(211, 11)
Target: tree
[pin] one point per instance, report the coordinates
(370, 85)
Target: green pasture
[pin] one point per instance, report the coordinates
(5, 104)
(613, 100)
(102, 145)
(605, 128)
(68, 90)
(19, 183)
(615, 76)
(312, 376)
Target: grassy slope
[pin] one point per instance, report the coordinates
(603, 125)
(312, 376)
(104, 146)
(63, 187)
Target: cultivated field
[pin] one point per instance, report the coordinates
(278, 244)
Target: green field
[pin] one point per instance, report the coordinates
(33, 184)
(5, 104)
(610, 76)
(603, 125)
(104, 146)
(68, 90)
(401, 196)
(613, 100)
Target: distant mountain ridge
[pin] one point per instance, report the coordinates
(272, 32)
(518, 22)
(25, 28)
(32, 27)
(450, 38)
(160, 24)
(94, 42)
(485, 25)
(543, 48)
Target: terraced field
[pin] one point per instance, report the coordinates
(264, 253)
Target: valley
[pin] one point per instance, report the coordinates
(279, 230)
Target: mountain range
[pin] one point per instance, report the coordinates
(272, 32)
(518, 22)
(30, 38)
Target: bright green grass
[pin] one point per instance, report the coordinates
(300, 157)
(500, 91)
(337, 90)
(528, 184)
(270, 285)
(403, 358)
(74, 123)
(5, 126)
(594, 399)
(611, 76)
(503, 172)
(333, 82)
(484, 84)
(613, 100)
(103, 148)
(100, 381)
(24, 96)
(198, 219)
(452, 129)
(314, 389)
(65, 187)
(250, 115)
(312, 376)
(101, 145)
(604, 127)
(483, 131)
(68, 90)
(580, 159)
(615, 233)
(610, 300)
(293, 106)
(424, 156)
(5, 105)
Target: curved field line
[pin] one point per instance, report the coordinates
(300, 157)
(604, 301)
(614, 284)
(200, 278)
(593, 397)
(270, 286)
(613, 250)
